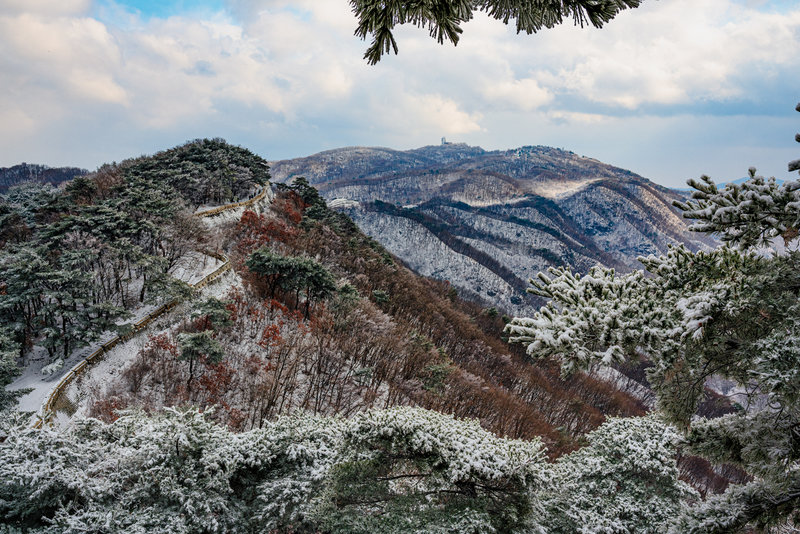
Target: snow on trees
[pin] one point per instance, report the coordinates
(199, 346)
(406, 470)
(732, 312)
(398, 470)
(108, 241)
(212, 313)
(8, 371)
(292, 275)
(625, 480)
(178, 472)
(747, 214)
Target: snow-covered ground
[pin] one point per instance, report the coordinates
(96, 379)
(43, 384)
(192, 268)
(236, 213)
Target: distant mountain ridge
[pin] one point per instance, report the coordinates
(25, 172)
(488, 220)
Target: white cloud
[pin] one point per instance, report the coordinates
(49, 7)
(439, 114)
(53, 65)
(96, 86)
(575, 117)
(674, 52)
(290, 74)
(525, 94)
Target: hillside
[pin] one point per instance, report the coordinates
(488, 221)
(351, 329)
(81, 263)
(306, 315)
(26, 172)
(370, 334)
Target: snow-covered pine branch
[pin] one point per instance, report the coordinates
(747, 214)
(731, 313)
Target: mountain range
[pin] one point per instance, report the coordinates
(487, 221)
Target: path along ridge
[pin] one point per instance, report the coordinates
(49, 408)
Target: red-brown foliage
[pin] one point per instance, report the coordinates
(418, 344)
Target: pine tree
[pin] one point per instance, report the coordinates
(213, 313)
(411, 470)
(23, 276)
(73, 318)
(199, 346)
(177, 472)
(733, 312)
(443, 18)
(9, 370)
(392, 471)
(292, 274)
(625, 480)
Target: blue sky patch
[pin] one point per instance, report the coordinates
(160, 9)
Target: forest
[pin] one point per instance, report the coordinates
(326, 388)
(73, 261)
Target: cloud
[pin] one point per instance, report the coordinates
(287, 78)
(438, 114)
(54, 65)
(571, 117)
(525, 95)
(670, 53)
(49, 7)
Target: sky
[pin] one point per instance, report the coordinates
(671, 90)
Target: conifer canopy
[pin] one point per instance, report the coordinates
(443, 18)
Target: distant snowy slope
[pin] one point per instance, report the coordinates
(488, 220)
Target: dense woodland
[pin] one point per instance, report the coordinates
(333, 390)
(74, 261)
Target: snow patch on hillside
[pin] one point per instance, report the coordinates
(342, 203)
(93, 383)
(191, 268)
(428, 256)
(556, 189)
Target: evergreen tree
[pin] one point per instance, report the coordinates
(199, 346)
(177, 472)
(292, 274)
(213, 313)
(393, 471)
(306, 191)
(23, 276)
(9, 370)
(29, 197)
(409, 470)
(624, 481)
(13, 227)
(443, 18)
(733, 312)
(73, 317)
(271, 267)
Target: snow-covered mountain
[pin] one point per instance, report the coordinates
(487, 221)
